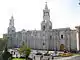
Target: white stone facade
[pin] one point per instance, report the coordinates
(46, 38)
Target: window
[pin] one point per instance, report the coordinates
(43, 43)
(43, 27)
(46, 13)
(43, 35)
(50, 37)
(61, 36)
(12, 30)
(50, 27)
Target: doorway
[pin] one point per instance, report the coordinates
(62, 47)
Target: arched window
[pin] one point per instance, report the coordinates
(43, 43)
(43, 27)
(61, 36)
(50, 37)
(12, 30)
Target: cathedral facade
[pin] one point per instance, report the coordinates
(46, 38)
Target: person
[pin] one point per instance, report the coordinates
(52, 57)
(65, 51)
(34, 57)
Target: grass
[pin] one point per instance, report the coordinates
(17, 59)
(76, 54)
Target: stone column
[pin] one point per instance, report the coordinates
(66, 39)
(78, 37)
(58, 40)
(69, 41)
(44, 41)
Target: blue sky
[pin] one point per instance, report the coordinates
(28, 14)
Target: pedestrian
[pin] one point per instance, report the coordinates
(52, 57)
(34, 57)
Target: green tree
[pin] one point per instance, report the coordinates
(24, 50)
(28, 50)
(6, 55)
(2, 43)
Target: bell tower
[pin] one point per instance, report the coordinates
(46, 13)
(11, 27)
(11, 34)
(46, 23)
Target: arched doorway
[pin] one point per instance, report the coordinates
(62, 47)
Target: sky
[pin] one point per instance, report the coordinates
(28, 14)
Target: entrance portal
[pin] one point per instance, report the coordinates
(62, 47)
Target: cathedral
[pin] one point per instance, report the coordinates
(46, 38)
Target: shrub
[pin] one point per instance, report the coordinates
(65, 54)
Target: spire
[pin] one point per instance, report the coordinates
(46, 11)
(11, 21)
(12, 17)
(46, 7)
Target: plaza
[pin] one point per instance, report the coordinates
(38, 53)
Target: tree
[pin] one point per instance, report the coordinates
(28, 50)
(24, 50)
(6, 55)
(3, 42)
